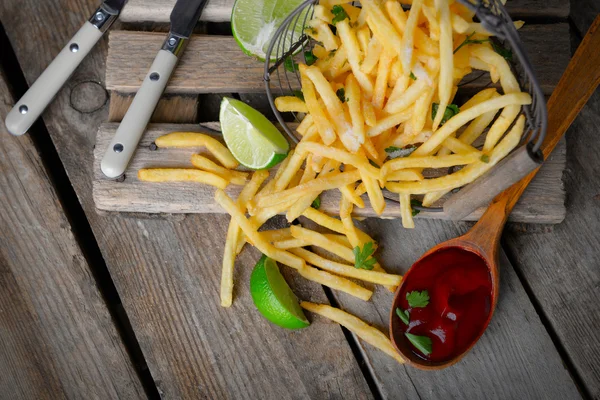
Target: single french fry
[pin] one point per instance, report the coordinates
(290, 243)
(349, 40)
(389, 122)
(285, 178)
(335, 282)
(346, 207)
(499, 127)
(228, 264)
(276, 235)
(381, 83)
(406, 211)
(290, 104)
(368, 112)
(323, 124)
(342, 156)
(446, 81)
(421, 111)
(462, 118)
(235, 177)
(405, 175)
(306, 123)
(375, 194)
(364, 38)
(341, 239)
(429, 162)
(379, 278)
(467, 174)
(195, 139)
(252, 234)
(316, 185)
(372, 56)
(354, 98)
(318, 239)
(366, 332)
(457, 146)
(479, 97)
(407, 98)
(181, 175)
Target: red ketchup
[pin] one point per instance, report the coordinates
(460, 296)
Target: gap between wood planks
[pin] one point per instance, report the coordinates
(77, 220)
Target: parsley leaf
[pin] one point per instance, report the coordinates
(310, 58)
(341, 94)
(290, 65)
(316, 204)
(413, 203)
(412, 76)
(485, 158)
(468, 40)
(418, 299)
(504, 52)
(362, 258)
(451, 111)
(299, 94)
(397, 152)
(339, 14)
(403, 315)
(422, 343)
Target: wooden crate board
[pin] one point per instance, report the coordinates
(542, 202)
(220, 10)
(201, 67)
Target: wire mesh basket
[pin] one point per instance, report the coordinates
(290, 41)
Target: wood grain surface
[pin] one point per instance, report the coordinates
(57, 338)
(220, 10)
(170, 108)
(201, 67)
(167, 271)
(543, 202)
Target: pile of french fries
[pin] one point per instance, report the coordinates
(368, 125)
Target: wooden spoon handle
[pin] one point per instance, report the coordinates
(577, 84)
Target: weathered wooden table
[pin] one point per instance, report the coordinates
(105, 305)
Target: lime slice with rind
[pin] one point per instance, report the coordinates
(254, 22)
(273, 297)
(252, 139)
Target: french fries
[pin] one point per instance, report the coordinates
(235, 177)
(181, 175)
(194, 139)
(366, 332)
(290, 103)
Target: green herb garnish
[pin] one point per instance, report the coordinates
(485, 158)
(398, 152)
(290, 65)
(299, 94)
(418, 299)
(504, 52)
(373, 163)
(468, 40)
(451, 111)
(422, 343)
(339, 14)
(412, 76)
(341, 94)
(413, 203)
(403, 315)
(316, 204)
(362, 258)
(310, 58)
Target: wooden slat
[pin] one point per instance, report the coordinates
(170, 108)
(543, 202)
(515, 358)
(220, 10)
(561, 266)
(167, 272)
(57, 339)
(201, 67)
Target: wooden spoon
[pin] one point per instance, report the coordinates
(577, 84)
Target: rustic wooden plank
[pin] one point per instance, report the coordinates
(57, 338)
(170, 108)
(515, 358)
(583, 13)
(201, 67)
(561, 266)
(542, 202)
(168, 272)
(220, 10)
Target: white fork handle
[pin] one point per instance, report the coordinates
(128, 135)
(40, 94)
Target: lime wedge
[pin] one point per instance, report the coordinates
(254, 22)
(252, 139)
(273, 297)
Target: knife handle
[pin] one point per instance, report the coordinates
(40, 94)
(128, 135)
